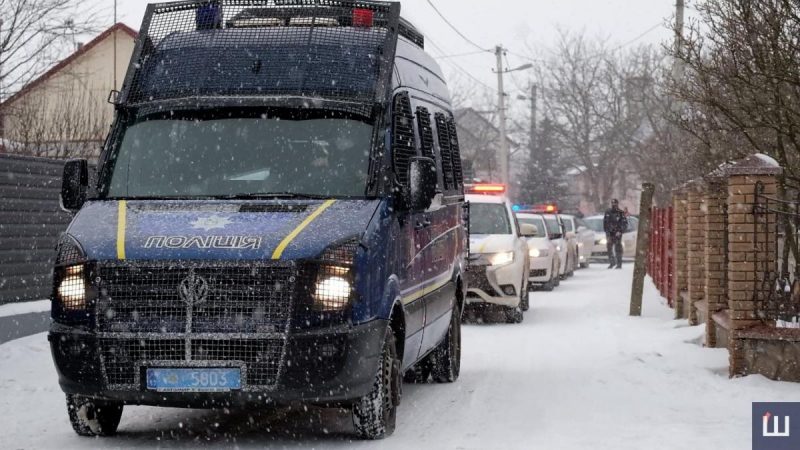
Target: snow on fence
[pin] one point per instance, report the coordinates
(30, 222)
(719, 253)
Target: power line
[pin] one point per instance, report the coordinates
(456, 66)
(468, 40)
(598, 55)
(459, 55)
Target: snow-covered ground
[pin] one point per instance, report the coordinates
(13, 309)
(577, 374)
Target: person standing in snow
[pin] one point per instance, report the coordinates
(614, 224)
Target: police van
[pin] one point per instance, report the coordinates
(277, 217)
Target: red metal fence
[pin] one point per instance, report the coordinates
(660, 255)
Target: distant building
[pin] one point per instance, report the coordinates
(479, 141)
(65, 112)
(626, 190)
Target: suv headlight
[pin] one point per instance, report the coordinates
(499, 259)
(537, 253)
(601, 241)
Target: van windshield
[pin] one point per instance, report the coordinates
(231, 156)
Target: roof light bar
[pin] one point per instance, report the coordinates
(488, 188)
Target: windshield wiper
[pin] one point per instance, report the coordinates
(272, 195)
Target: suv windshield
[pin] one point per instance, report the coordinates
(488, 218)
(553, 227)
(595, 223)
(568, 224)
(230, 155)
(537, 222)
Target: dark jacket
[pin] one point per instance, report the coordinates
(615, 221)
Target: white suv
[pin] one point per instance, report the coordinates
(544, 257)
(497, 276)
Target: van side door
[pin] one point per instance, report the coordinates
(445, 215)
(413, 234)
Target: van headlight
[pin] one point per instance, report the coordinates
(333, 288)
(499, 259)
(536, 253)
(71, 288)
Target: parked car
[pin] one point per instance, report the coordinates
(544, 258)
(557, 231)
(497, 276)
(265, 234)
(583, 237)
(600, 250)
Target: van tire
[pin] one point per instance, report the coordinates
(446, 358)
(90, 417)
(375, 414)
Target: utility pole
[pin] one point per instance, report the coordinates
(677, 63)
(533, 138)
(501, 106)
(115, 47)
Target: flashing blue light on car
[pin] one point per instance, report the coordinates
(516, 208)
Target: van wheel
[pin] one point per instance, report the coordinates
(446, 358)
(514, 315)
(375, 414)
(90, 417)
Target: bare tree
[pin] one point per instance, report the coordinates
(36, 33)
(586, 92)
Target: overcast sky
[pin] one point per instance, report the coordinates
(525, 27)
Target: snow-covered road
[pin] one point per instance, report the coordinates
(576, 374)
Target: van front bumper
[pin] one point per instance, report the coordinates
(332, 366)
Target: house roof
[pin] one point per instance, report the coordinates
(69, 59)
(464, 112)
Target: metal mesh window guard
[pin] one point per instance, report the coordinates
(336, 50)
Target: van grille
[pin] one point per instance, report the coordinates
(193, 314)
(238, 299)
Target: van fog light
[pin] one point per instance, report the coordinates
(332, 293)
(72, 288)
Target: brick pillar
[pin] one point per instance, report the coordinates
(715, 289)
(749, 242)
(695, 251)
(680, 206)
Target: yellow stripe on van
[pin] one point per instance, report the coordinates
(288, 239)
(121, 224)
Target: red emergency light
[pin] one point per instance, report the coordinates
(363, 17)
(486, 188)
(545, 208)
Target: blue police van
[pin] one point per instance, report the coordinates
(277, 217)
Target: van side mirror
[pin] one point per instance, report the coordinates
(74, 184)
(527, 230)
(422, 181)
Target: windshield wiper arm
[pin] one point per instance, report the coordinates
(273, 195)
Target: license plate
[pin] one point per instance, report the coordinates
(194, 379)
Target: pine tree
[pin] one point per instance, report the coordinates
(543, 178)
